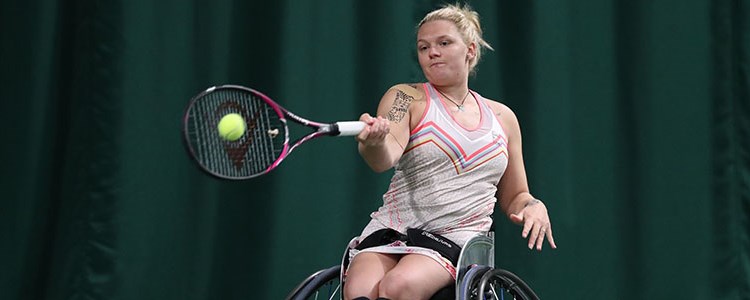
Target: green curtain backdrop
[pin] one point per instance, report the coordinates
(635, 116)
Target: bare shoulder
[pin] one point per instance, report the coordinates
(506, 115)
(408, 90)
(403, 95)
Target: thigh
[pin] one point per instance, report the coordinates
(365, 272)
(415, 277)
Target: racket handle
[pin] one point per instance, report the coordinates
(350, 128)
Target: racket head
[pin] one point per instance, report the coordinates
(260, 149)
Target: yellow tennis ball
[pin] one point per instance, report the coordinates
(232, 127)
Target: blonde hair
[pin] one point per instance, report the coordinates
(467, 22)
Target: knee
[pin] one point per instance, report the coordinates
(354, 290)
(399, 285)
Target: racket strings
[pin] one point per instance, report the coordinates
(263, 151)
(252, 154)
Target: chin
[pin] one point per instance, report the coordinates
(438, 80)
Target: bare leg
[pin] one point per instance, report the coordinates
(414, 277)
(365, 272)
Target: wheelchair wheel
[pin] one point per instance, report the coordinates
(486, 283)
(467, 288)
(324, 284)
(496, 283)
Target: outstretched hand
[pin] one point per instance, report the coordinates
(536, 224)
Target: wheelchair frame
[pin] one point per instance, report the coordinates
(475, 270)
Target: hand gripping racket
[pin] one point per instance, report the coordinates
(265, 142)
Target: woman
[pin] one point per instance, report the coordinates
(455, 154)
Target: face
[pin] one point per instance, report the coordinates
(443, 55)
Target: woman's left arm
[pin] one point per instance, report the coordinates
(513, 191)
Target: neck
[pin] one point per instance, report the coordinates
(453, 91)
(459, 102)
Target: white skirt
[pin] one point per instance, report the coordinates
(399, 247)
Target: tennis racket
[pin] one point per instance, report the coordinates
(265, 142)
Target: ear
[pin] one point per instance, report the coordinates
(471, 52)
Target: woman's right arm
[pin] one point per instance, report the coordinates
(382, 141)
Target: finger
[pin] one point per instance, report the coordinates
(551, 239)
(365, 117)
(540, 238)
(362, 136)
(527, 226)
(516, 218)
(384, 124)
(377, 130)
(370, 120)
(534, 234)
(386, 127)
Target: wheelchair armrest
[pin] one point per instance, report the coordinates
(479, 250)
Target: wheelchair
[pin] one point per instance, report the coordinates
(476, 278)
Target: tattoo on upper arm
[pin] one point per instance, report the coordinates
(399, 107)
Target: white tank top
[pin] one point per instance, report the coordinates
(445, 182)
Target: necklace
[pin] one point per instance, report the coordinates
(459, 106)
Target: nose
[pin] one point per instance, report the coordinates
(433, 52)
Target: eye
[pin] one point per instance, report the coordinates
(444, 43)
(422, 48)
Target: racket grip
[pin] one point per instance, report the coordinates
(350, 128)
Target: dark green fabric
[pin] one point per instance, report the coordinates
(731, 181)
(635, 116)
